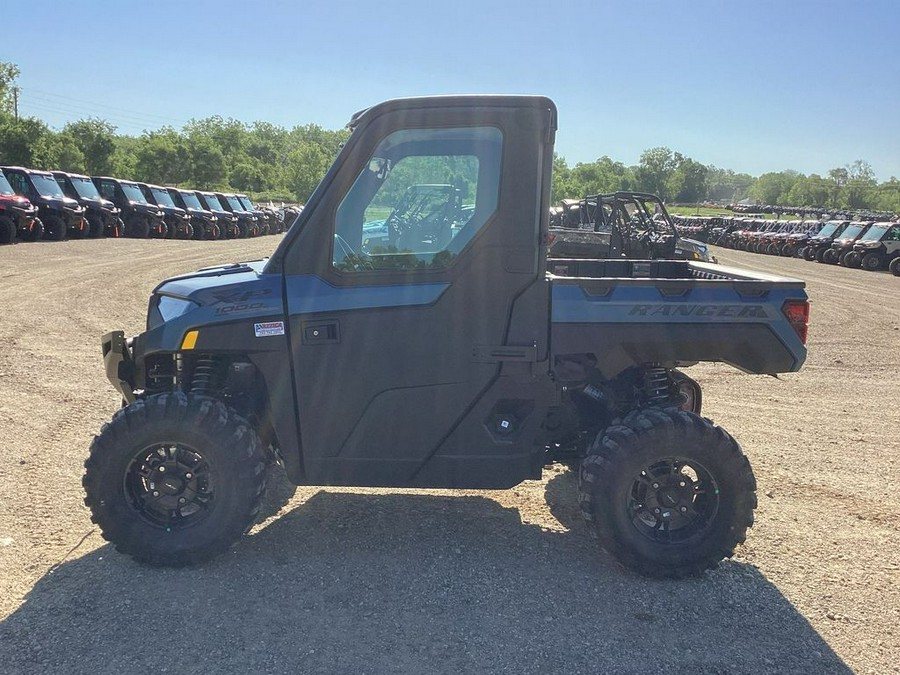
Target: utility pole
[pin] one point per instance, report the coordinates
(15, 91)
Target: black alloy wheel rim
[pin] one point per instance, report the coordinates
(673, 501)
(170, 485)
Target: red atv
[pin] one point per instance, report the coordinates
(18, 217)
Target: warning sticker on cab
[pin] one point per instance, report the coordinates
(268, 328)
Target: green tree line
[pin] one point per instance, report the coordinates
(271, 162)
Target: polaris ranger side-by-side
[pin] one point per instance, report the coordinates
(620, 224)
(141, 218)
(61, 216)
(101, 214)
(176, 218)
(204, 223)
(18, 216)
(877, 248)
(465, 364)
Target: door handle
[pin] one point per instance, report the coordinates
(321, 332)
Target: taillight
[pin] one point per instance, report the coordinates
(797, 314)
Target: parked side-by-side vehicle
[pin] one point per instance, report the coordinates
(465, 359)
(60, 215)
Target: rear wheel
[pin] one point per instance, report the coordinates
(850, 259)
(830, 256)
(95, 228)
(669, 494)
(895, 267)
(137, 228)
(175, 479)
(871, 261)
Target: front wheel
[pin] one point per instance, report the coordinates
(894, 267)
(871, 261)
(669, 493)
(174, 479)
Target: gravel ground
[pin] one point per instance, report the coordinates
(381, 581)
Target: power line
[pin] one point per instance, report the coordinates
(82, 103)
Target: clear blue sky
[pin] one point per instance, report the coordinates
(753, 86)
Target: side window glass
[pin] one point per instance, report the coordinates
(422, 197)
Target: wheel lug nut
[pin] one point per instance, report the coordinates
(682, 484)
(656, 511)
(155, 493)
(188, 475)
(181, 500)
(656, 486)
(684, 509)
(162, 469)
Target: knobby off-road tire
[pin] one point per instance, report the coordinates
(35, 232)
(54, 228)
(175, 479)
(871, 261)
(96, 229)
(7, 230)
(668, 493)
(851, 259)
(894, 267)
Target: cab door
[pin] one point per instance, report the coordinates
(419, 335)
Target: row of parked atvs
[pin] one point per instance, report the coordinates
(57, 205)
(851, 243)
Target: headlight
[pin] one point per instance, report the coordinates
(171, 308)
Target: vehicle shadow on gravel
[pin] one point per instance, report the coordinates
(365, 583)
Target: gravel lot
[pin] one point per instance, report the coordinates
(381, 581)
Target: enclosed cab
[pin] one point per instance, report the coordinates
(141, 218)
(877, 248)
(178, 222)
(61, 216)
(842, 245)
(18, 216)
(457, 362)
(247, 222)
(819, 243)
(267, 217)
(798, 240)
(228, 222)
(101, 214)
(204, 223)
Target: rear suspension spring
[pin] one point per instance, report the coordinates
(656, 385)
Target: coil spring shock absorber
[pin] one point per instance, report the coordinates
(656, 385)
(203, 377)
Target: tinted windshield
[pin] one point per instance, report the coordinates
(246, 204)
(851, 232)
(46, 185)
(191, 201)
(85, 188)
(829, 229)
(235, 203)
(875, 232)
(133, 192)
(5, 187)
(213, 202)
(162, 196)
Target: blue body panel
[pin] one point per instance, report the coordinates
(309, 294)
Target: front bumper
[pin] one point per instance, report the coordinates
(119, 364)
